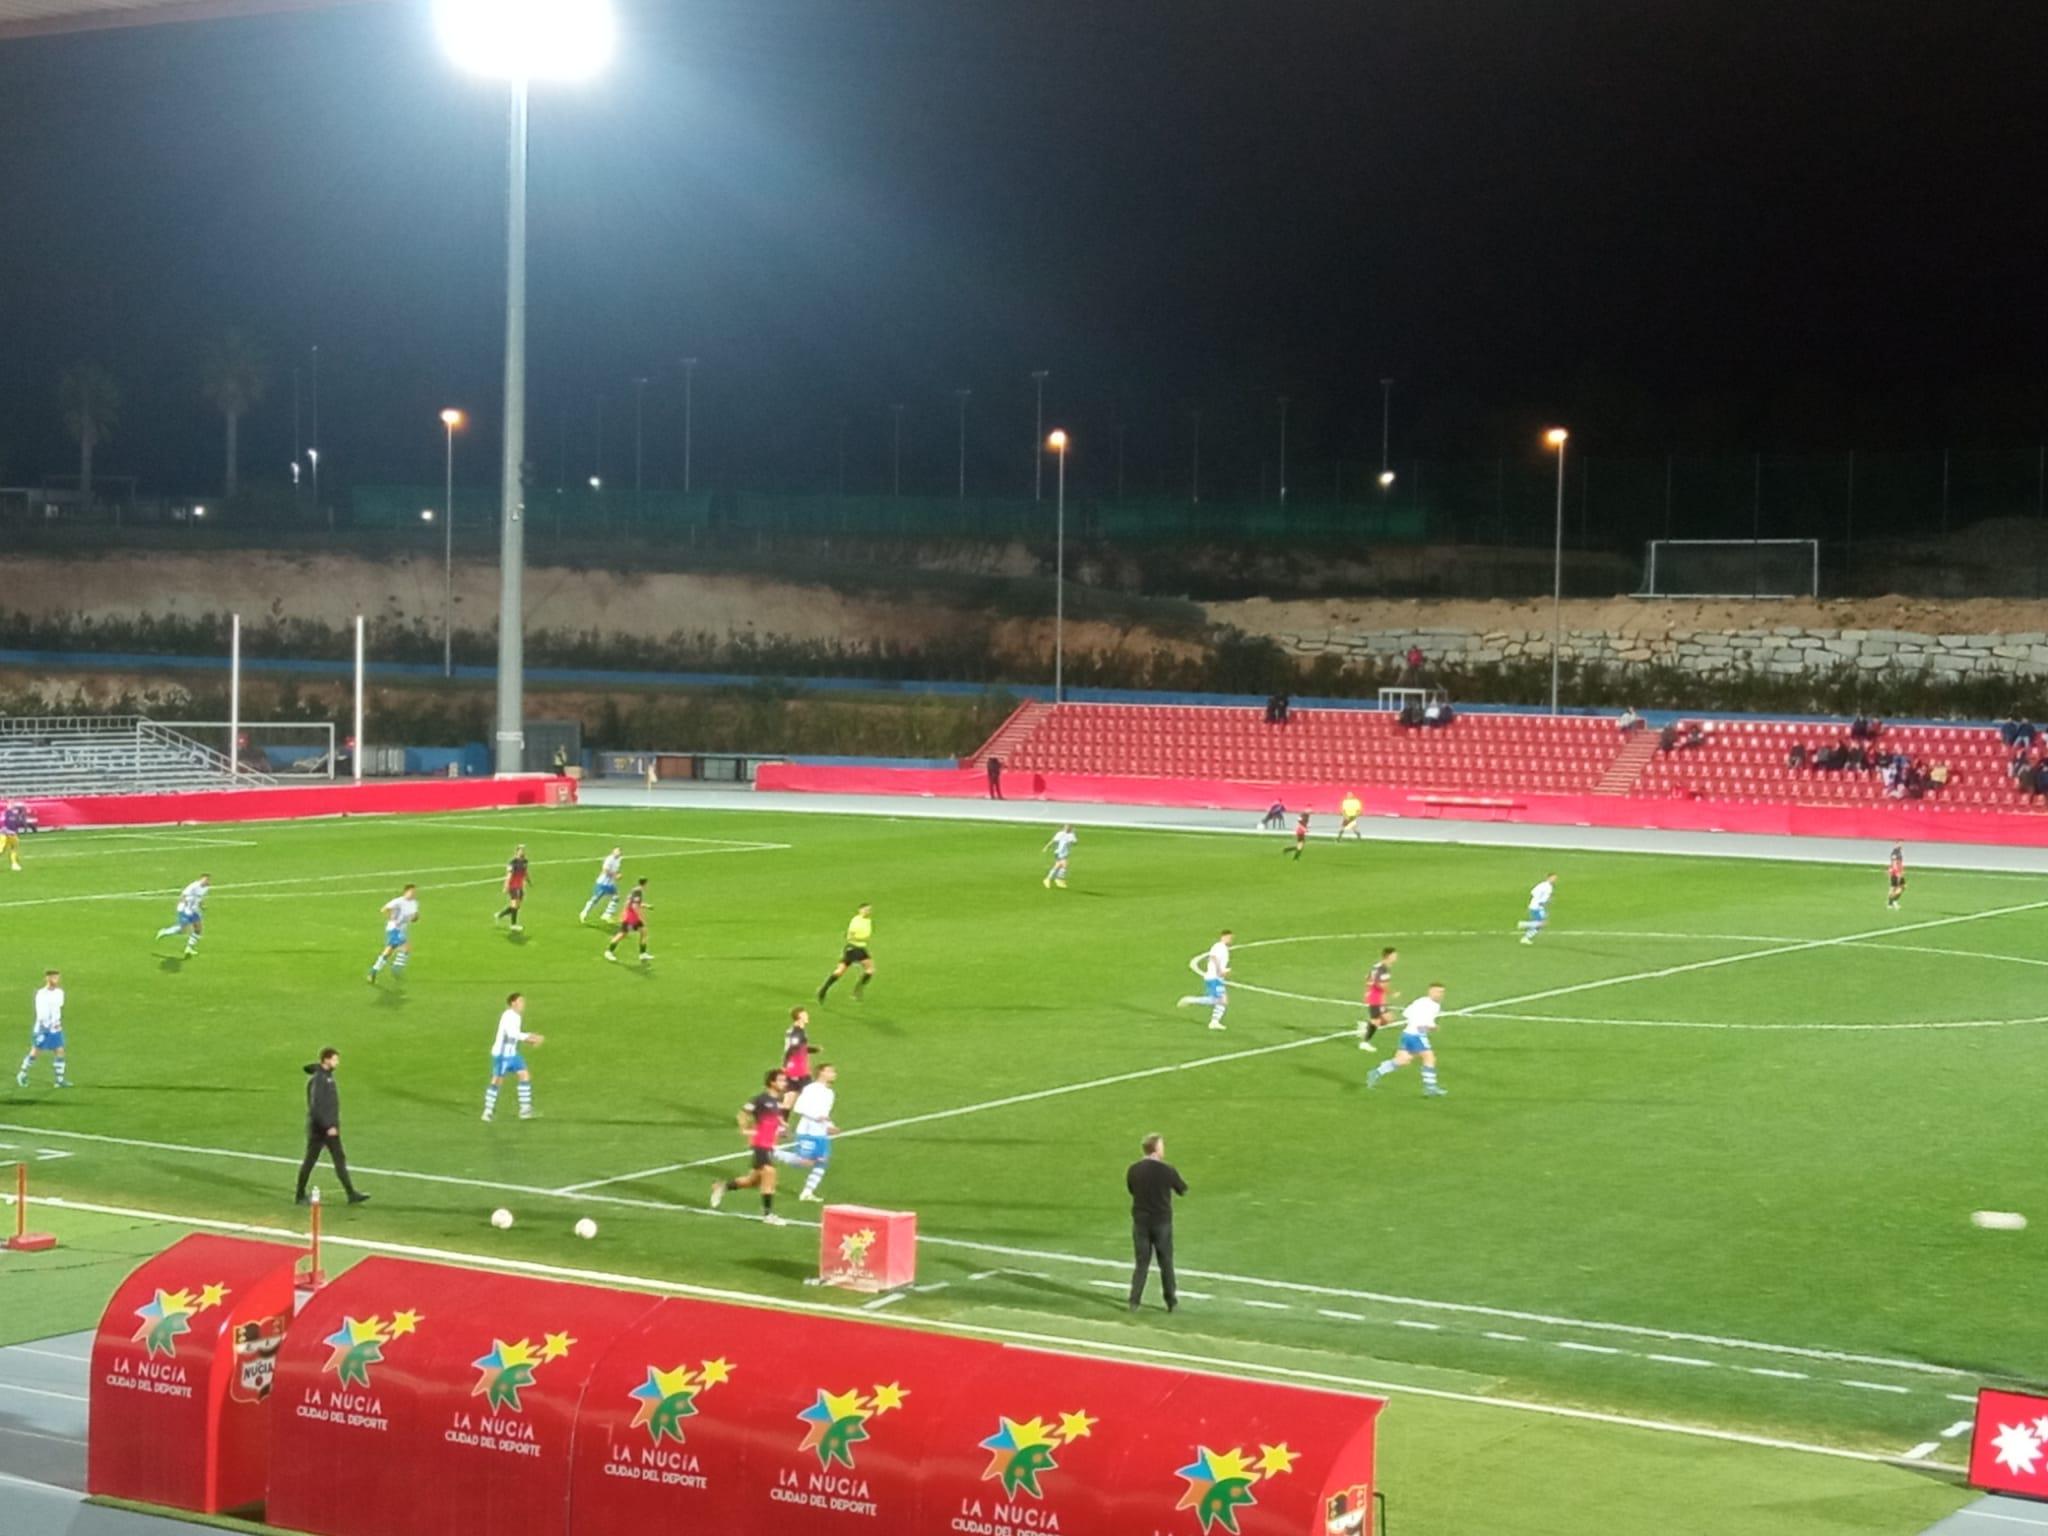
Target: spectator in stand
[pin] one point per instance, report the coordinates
(1438, 714)
(1796, 758)
(995, 777)
(2015, 732)
(1411, 667)
(1695, 736)
(1410, 716)
(1667, 739)
(1863, 728)
(1281, 705)
(1895, 776)
(1938, 776)
(1629, 721)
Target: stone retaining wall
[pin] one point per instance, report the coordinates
(1785, 650)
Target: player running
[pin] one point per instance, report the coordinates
(1377, 995)
(515, 887)
(190, 918)
(507, 1060)
(796, 1050)
(1213, 966)
(16, 822)
(1060, 844)
(400, 913)
(607, 888)
(812, 1112)
(1539, 908)
(1300, 843)
(760, 1120)
(1418, 1023)
(634, 921)
(47, 1034)
(860, 933)
(1895, 874)
(1350, 808)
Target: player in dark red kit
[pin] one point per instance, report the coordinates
(1377, 996)
(1300, 836)
(1895, 874)
(634, 921)
(796, 1051)
(761, 1122)
(515, 886)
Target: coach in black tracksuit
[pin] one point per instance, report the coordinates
(323, 1124)
(1153, 1182)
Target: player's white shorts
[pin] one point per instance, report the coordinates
(506, 1066)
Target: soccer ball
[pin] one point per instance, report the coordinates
(586, 1228)
(501, 1219)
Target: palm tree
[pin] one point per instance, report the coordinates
(234, 378)
(92, 404)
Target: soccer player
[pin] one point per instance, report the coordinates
(796, 1050)
(1895, 873)
(48, 1031)
(515, 886)
(1300, 844)
(1214, 969)
(607, 888)
(860, 932)
(634, 921)
(507, 1060)
(814, 1130)
(1275, 817)
(190, 918)
(761, 1123)
(1351, 807)
(1539, 908)
(400, 913)
(1418, 1023)
(1060, 844)
(1377, 995)
(15, 822)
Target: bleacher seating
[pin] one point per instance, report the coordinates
(107, 755)
(1746, 761)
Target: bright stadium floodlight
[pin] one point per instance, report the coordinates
(1554, 440)
(528, 39)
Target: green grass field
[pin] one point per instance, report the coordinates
(1708, 1157)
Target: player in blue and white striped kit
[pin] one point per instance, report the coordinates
(400, 913)
(190, 918)
(1539, 908)
(48, 1031)
(1418, 1024)
(1060, 846)
(507, 1060)
(607, 888)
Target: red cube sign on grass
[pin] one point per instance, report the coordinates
(2009, 1448)
(865, 1249)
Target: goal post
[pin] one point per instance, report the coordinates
(286, 749)
(1732, 568)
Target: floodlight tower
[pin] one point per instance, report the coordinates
(519, 41)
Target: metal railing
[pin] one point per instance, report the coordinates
(109, 754)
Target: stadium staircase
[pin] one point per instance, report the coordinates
(67, 755)
(1628, 764)
(1023, 720)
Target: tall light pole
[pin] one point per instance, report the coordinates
(961, 395)
(313, 448)
(689, 414)
(1038, 377)
(558, 39)
(639, 437)
(1554, 440)
(1283, 450)
(896, 453)
(1195, 473)
(1386, 433)
(450, 420)
(1058, 444)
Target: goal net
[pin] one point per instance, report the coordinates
(1732, 568)
(287, 749)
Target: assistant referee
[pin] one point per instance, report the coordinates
(323, 1124)
(1153, 1182)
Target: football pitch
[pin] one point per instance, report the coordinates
(1707, 1159)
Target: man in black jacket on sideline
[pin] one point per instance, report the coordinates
(1153, 1182)
(323, 1124)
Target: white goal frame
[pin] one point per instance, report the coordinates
(1650, 565)
(247, 726)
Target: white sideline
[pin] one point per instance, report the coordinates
(1120, 1266)
(1142, 1353)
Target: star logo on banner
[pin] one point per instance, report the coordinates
(838, 1422)
(357, 1346)
(1220, 1482)
(1023, 1450)
(666, 1398)
(167, 1316)
(505, 1372)
(853, 1248)
(2018, 1449)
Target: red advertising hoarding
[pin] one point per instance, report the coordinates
(2009, 1446)
(181, 1373)
(420, 1400)
(864, 1249)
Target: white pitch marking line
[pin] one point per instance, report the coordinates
(1682, 1360)
(69, 1397)
(1924, 1448)
(880, 1302)
(1760, 1370)
(1960, 1397)
(1165, 1357)
(622, 839)
(1402, 1322)
(54, 1354)
(1266, 1306)
(1960, 1427)
(1292, 1287)
(1342, 1317)
(1507, 1338)
(1874, 1386)
(1587, 1349)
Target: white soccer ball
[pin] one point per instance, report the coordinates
(501, 1218)
(586, 1228)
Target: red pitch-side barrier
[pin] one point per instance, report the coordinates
(418, 1398)
(1885, 823)
(182, 1372)
(289, 803)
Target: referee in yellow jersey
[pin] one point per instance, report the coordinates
(859, 934)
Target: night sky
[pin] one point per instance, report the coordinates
(1691, 224)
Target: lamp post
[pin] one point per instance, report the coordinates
(689, 414)
(1038, 377)
(1058, 444)
(556, 39)
(1386, 434)
(450, 420)
(961, 395)
(1554, 440)
(1283, 450)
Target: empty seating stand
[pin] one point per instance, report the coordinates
(108, 755)
(1476, 754)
